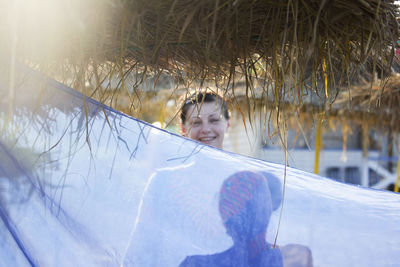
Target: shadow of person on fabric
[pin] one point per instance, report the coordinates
(245, 206)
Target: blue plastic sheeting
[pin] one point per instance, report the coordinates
(84, 185)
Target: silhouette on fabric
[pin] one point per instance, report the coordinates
(245, 206)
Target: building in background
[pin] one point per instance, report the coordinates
(341, 155)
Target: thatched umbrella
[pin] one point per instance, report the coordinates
(279, 42)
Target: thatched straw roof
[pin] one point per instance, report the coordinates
(282, 50)
(374, 104)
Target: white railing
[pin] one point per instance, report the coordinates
(303, 159)
(388, 177)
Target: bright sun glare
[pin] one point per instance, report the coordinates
(41, 28)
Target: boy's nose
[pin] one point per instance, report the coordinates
(205, 127)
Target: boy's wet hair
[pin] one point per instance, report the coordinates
(203, 97)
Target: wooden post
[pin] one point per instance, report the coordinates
(365, 149)
(396, 185)
(318, 144)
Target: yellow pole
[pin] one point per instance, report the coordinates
(396, 185)
(318, 139)
(325, 77)
(318, 144)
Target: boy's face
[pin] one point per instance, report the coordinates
(205, 123)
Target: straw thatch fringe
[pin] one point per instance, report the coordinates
(375, 104)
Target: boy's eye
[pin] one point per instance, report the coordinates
(196, 122)
(214, 120)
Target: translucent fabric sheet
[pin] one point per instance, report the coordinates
(84, 185)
